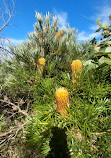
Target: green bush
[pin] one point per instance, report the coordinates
(86, 130)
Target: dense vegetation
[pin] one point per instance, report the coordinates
(31, 124)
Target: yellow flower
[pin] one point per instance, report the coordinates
(59, 34)
(62, 100)
(76, 67)
(41, 61)
(41, 65)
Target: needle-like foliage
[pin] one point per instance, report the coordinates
(41, 66)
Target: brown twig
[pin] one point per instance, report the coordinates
(11, 134)
(101, 132)
(15, 106)
(5, 134)
(28, 105)
(20, 127)
(92, 146)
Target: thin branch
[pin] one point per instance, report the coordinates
(7, 11)
(17, 107)
(20, 127)
(11, 134)
(5, 23)
(101, 132)
(5, 49)
(5, 134)
(92, 146)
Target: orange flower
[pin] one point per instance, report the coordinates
(41, 61)
(41, 65)
(59, 34)
(76, 67)
(62, 100)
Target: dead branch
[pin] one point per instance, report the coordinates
(20, 127)
(8, 12)
(101, 132)
(92, 146)
(6, 133)
(28, 105)
(4, 49)
(14, 106)
(11, 134)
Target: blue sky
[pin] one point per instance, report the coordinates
(79, 14)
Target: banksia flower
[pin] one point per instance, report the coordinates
(59, 34)
(62, 100)
(39, 37)
(41, 64)
(76, 67)
(41, 61)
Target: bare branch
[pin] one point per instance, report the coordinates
(5, 23)
(15, 106)
(8, 12)
(5, 49)
(101, 132)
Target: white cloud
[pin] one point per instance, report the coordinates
(102, 12)
(6, 41)
(5, 44)
(95, 34)
(93, 27)
(4, 51)
(62, 19)
(15, 41)
(84, 36)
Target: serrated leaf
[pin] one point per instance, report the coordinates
(105, 60)
(101, 60)
(108, 50)
(109, 55)
(104, 51)
(109, 42)
(105, 25)
(90, 65)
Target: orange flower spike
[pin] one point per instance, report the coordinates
(59, 34)
(76, 67)
(41, 61)
(41, 65)
(62, 100)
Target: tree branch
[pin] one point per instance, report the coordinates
(15, 106)
(5, 49)
(7, 12)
